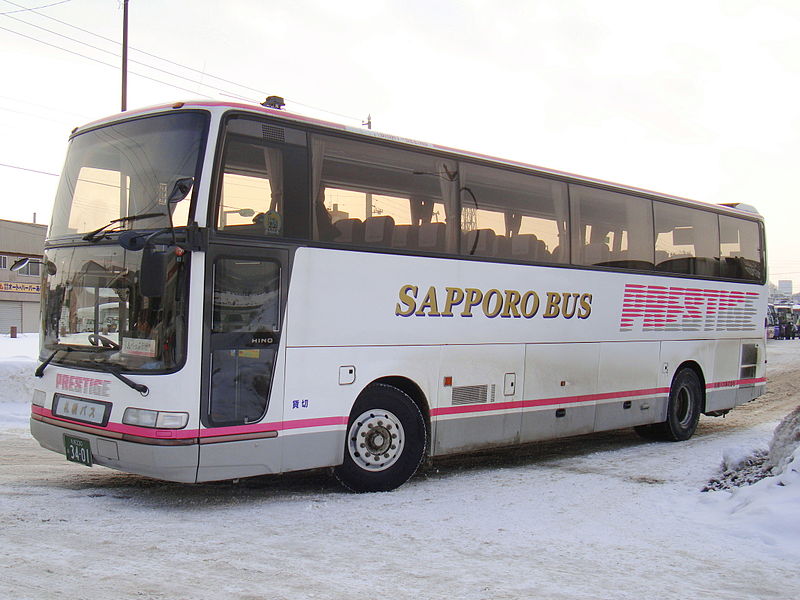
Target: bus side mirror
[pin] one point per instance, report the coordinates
(20, 264)
(180, 190)
(153, 273)
(24, 262)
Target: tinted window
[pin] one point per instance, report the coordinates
(246, 304)
(740, 249)
(369, 195)
(687, 240)
(611, 229)
(263, 186)
(511, 215)
(246, 295)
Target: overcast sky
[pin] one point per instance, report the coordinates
(696, 98)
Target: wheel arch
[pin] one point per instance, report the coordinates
(698, 370)
(413, 391)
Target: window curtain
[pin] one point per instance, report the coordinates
(449, 186)
(322, 227)
(273, 158)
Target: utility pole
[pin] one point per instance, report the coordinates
(125, 56)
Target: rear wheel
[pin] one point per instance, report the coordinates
(683, 410)
(385, 440)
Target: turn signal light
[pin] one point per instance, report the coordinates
(39, 398)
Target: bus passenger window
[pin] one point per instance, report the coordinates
(512, 216)
(611, 229)
(687, 240)
(371, 195)
(262, 190)
(740, 249)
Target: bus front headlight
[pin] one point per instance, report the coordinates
(142, 417)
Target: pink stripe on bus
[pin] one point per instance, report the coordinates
(203, 433)
(451, 410)
(337, 421)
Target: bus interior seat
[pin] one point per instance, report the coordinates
(432, 237)
(541, 252)
(405, 236)
(349, 231)
(502, 246)
(479, 242)
(378, 231)
(596, 253)
(525, 246)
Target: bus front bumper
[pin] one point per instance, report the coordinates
(160, 461)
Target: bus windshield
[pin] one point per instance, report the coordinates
(92, 306)
(127, 169)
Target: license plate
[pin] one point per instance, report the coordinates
(78, 450)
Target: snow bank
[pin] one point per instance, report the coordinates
(769, 510)
(785, 442)
(767, 507)
(18, 360)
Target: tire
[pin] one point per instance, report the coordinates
(385, 443)
(683, 410)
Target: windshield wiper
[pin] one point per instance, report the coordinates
(94, 236)
(39, 372)
(139, 387)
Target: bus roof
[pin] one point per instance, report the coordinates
(213, 105)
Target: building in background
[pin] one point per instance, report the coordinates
(785, 287)
(19, 291)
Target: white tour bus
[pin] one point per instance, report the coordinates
(232, 290)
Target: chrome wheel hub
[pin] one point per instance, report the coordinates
(375, 440)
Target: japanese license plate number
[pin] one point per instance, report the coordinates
(78, 450)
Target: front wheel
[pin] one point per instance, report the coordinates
(385, 443)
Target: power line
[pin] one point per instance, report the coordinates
(29, 103)
(236, 96)
(103, 63)
(113, 41)
(30, 114)
(26, 169)
(177, 64)
(34, 9)
(114, 54)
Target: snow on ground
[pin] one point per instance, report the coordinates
(601, 516)
(782, 355)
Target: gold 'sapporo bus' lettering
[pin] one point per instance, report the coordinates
(429, 304)
(408, 293)
(453, 297)
(508, 304)
(474, 298)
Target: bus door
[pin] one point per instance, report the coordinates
(244, 299)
